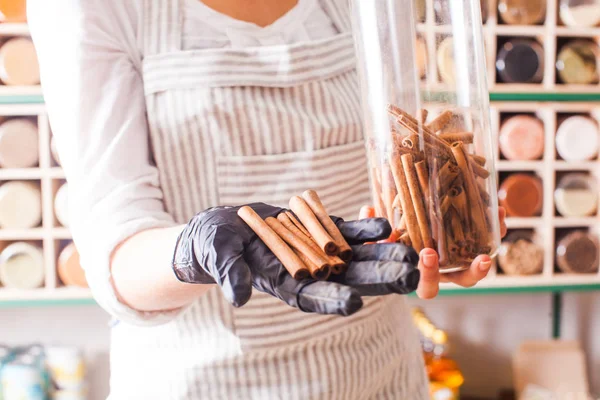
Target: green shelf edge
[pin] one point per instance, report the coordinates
(519, 290)
(567, 97)
(494, 96)
(46, 303)
(21, 99)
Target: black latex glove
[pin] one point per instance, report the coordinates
(218, 247)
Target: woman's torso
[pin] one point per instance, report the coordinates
(256, 118)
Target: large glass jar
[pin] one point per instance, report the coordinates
(429, 140)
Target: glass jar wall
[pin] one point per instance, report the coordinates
(429, 138)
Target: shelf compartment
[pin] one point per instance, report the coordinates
(14, 29)
(22, 234)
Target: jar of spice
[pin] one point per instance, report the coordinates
(521, 254)
(430, 146)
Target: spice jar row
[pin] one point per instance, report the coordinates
(519, 60)
(573, 13)
(575, 251)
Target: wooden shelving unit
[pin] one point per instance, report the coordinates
(545, 225)
(50, 233)
(550, 34)
(544, 100)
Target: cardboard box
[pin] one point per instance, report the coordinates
(557, 367)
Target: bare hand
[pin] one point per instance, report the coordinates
(429, 285)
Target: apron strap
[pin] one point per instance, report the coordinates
(339, 12)
(162, 21)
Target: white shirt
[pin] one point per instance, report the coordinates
(91, 66)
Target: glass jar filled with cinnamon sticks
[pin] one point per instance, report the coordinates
(429, 139)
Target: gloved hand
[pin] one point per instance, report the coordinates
(218, 247)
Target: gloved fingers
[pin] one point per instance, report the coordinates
(378, 278)
(236, 284)
(224, 258)
(385, 252)
(324, 297)
(364, 230)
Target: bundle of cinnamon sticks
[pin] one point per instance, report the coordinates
(431, 188)
(310, 245)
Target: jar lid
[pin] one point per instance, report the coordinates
(522, 12)
(577, 253)
(421, 57)
(577, 62)
(61, 205)
(521, 195)
(577, 139)
(522, 138)
(445, 61)
(580, 14)
(22, 266)
(521, 61)
(576, 195)
(69, 267)
(18, 63)
(19, 144)
(20, 205)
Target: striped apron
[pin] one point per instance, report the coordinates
(234, 126)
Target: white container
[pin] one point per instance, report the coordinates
(61, 206)
(20, 205)
(22, 382)
(67, 368)
(19, 144)
(22, 266)
(18, 63)
(577, 139)
(576, 195)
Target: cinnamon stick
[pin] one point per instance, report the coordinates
(478, 170)
(465, 137)
(447, 176)
(437, 145)
(422, 115)
(319, 274)
(473, 196)
(405, 239)
(409, 214)
(389, 193)
(423, 175)
(458, 199)
(377, 191)
(313, 226)
(297, 223)
(413, 125)
(478, 159)
(289, 259)
(437, 222)
(445, 206)
(440, 121)
(456, 227)
(318, 261)
(396, 203)
(453, 248)
(337, 264)
(411, 141)
(314, 202)
(417, 199)
(485, 196)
